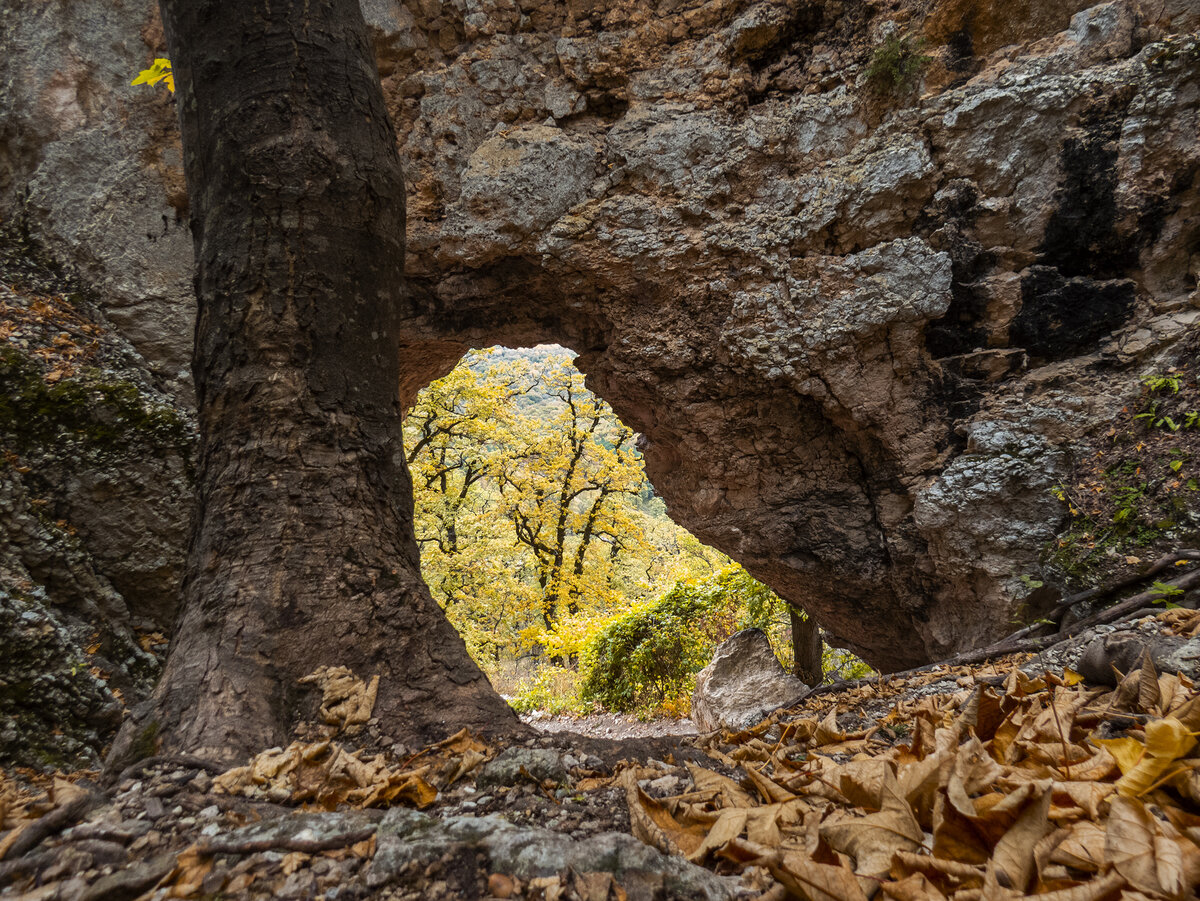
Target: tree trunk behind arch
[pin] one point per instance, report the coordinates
(302, 552)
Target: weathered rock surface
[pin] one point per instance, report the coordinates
(406, 837)
(862, 331)
(515, 765)
(53, 710)
(1122, 652)
(743, 684)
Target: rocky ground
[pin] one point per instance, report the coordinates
(550, 818)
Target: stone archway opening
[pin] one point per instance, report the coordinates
(796, 474)
(540, 532)
(537, 525)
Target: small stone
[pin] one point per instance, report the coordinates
(301, 884)
(663, 786)
(154, 808)
(540, 764)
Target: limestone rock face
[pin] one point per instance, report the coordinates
(863, 329)
(743, 684)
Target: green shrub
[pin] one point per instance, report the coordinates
(553, 689)
(650, 656)
(896, 63)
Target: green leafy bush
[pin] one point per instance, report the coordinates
(553, 689)
(896, 63)
(650, 656)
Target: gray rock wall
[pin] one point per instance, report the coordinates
(863, 327)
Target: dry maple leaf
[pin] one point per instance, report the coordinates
(872, 839)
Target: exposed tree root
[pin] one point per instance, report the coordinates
(34, 833)
(185, 761)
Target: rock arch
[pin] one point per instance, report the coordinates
(759, 442)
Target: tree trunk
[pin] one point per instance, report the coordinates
(302, 552)
(806, 645)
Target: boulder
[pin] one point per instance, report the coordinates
(743, 684)
(1122, 651)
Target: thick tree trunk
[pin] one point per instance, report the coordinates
(303, 551)
(806, 645)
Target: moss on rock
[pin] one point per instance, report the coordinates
(98, 414)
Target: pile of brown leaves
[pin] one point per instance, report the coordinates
(325, 774)
(1037, 787)
(1182, 621)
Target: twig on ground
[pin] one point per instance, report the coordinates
(183, 761)
(1017, 643)
(30, 863)
(1160, 565)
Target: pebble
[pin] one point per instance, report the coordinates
(665, 785)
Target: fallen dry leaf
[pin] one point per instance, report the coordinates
(346, 701)
(329, 775)
(873, 839)
(653, 823)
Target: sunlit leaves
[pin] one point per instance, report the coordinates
(159, 71)
(533, 514)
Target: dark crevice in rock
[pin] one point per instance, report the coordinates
(804, 20)
(1063, 316)
(960, 59)
(1081, 237)
(948, 222)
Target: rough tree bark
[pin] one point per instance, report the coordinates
(303, 551)
(806, 647)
